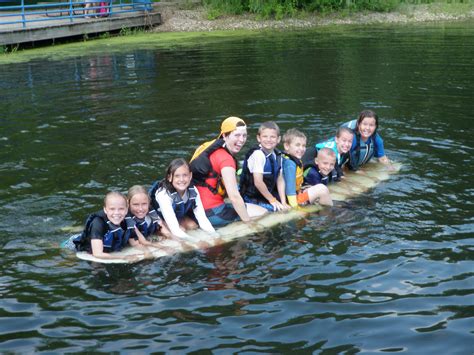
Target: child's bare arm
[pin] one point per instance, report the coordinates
(98, 251)
(281, 191)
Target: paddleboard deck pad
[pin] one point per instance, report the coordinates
(352, 185)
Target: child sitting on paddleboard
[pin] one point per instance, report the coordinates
(322, 169)
(341, 144)
(179, 204)
(367, 143)
(261, 181)
(294, 143)
(146, 223)
(106, 231)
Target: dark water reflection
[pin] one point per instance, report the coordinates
(390, 271)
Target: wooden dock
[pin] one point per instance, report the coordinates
(13, 34)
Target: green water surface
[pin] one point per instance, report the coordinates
(390, 271)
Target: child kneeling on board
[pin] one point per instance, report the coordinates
(179, 204)
(261, 181)
(294, 143)
(322, 169)
(341, 145)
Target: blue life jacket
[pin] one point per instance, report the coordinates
(115, 238)
(363, 151)
(180, 208)
(146, 226)
(152, 192)
(333, 175)
(271, 170)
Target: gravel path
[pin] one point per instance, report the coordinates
(185, 20)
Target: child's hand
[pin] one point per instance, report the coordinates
(214, 235)
(133, 258)
(390, 166)
(147, 254)
(277, 206)
(155, 245)
(255, 226)
(202, 245)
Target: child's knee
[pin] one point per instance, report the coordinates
(320, 189)
(324, 189)
(255, 210)
(318, 192)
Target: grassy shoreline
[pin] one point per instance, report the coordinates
(185, 26)
(194, 17)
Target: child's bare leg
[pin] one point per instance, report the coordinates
(255, 210)
(320, 193)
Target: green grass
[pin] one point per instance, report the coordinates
(453, 8)
(140, 38)
(278, 9)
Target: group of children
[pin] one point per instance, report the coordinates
(193, 194)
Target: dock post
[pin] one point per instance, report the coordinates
(70, 10)
(23, 13)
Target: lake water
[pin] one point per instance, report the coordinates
(390, 271)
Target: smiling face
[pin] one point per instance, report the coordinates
(344, 142)
(139, 205)
(296, 147)
(268, 139)
(115, 208)
(236, 139)
(367, 127)
(325, 162)
(181, 179)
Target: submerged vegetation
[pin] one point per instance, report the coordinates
(279, 9)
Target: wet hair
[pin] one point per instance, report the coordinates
(170, 170)
(269, 125)
(328, 151)
(364, 114)
(239, 124)
(342, 129)
(291, 134)
(114, 194)
(135, 190)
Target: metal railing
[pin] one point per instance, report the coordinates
(68, 9)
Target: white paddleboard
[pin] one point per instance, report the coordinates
(354, 184)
